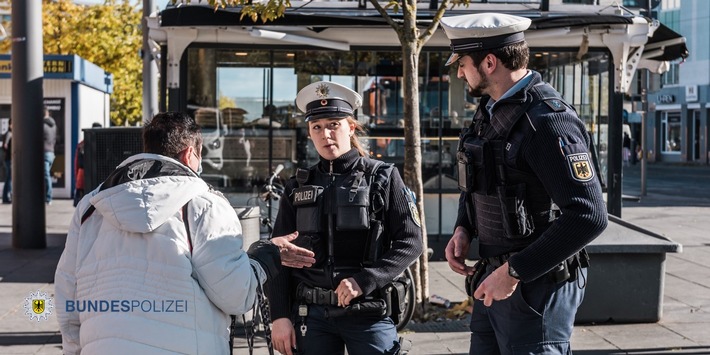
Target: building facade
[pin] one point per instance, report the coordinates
(239, 79)
(677, 122)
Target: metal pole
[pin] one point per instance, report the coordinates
(28, 194)
(644, 106)
(150, 70)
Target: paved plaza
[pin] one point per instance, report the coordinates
(677, 206)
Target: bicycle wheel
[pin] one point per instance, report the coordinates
(408, 313)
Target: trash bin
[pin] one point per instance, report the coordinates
(249, 217)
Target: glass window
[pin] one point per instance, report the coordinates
(245, 101)
(670, 132)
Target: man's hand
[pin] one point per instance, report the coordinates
(496, 287)
(457, 250)
(347, 290)
(283, 336)
(292, 255)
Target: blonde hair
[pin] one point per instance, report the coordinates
(355, 138)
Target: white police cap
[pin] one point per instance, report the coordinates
(484, 31)
(325, 99)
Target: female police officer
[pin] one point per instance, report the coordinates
(359, 220)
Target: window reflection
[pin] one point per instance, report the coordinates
(244, 100)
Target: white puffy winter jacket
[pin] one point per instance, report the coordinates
(127, 282)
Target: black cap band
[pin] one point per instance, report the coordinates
(328, 108)
(463, 45)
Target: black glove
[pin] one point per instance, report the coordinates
(267, 254)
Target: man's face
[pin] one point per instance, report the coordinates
(476, 79)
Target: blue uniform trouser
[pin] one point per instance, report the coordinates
(48, 161)
(362, 335)
(537, 318)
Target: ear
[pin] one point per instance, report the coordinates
(184, 156)
(490, 62)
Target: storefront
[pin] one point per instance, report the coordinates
(76, 93)
(240, 80)
(678, 125)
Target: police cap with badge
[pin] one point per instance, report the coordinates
(484, 31)
(326, 99)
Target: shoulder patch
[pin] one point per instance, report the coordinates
(555, 104)
(413, 211)
(580, 165)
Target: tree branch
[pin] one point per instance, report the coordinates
(426, 34)
(397, 28)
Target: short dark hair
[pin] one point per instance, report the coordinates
(169, 133)
(513, 57)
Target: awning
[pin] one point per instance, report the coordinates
(665, 45)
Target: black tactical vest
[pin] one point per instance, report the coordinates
(507, 203)
(335, 218)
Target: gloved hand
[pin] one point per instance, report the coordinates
(267, 254)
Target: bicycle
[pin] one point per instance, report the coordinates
(267, 200)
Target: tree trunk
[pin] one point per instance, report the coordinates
(413, 153)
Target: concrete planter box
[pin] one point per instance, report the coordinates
(626, 275)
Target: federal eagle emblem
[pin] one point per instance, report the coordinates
(580, 166)
(38, 306)
(322, 90)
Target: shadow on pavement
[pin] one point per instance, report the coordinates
(26, 265)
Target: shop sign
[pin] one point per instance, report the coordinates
(691, 93)
(50, 66)
(666, 99)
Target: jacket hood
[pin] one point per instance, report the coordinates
(145, 191)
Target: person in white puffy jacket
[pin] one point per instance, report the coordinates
(154, 260)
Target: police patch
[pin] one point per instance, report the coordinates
(415, 214)
(555, 105)
(581, 167)
(412, 203)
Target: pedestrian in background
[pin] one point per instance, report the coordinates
(626, 149)
(50, 140)
(530, 196)
(163, 249)
(79, 169)
(361, 223)
(7, 149)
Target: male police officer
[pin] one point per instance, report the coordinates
(529, 194)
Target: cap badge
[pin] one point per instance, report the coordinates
(322, 90)
(324, 102)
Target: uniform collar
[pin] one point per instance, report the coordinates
(523, 82)
(342, 163)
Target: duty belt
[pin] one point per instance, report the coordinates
(316, 295)
(565, 271)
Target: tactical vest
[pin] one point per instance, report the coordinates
(340, 218)
(506, 202)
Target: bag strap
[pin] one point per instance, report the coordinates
(187, 226)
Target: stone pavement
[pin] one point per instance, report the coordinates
(677, 206)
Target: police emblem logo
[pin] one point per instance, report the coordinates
(322, 90)
(38, 306)
(580, 166)
(415, 214)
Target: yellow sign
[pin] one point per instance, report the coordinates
(50, 66)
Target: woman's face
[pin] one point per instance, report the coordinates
(331, 137)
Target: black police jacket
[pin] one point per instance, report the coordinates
(401, 229)
(545, 149)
